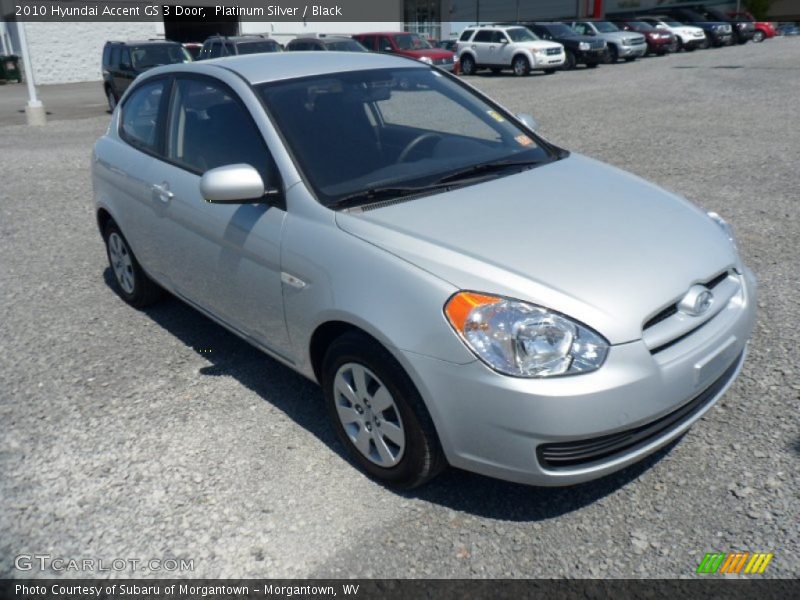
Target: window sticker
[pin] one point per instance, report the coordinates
(524, 140)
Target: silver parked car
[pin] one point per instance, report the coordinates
(464, 291)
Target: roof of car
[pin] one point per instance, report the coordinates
(323, 39)
(262, 68)
(238, 39)
(143, 42)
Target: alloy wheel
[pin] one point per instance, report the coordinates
(121, 262)
(369, 415)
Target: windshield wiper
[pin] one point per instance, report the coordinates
(377, 194)
(486, 168)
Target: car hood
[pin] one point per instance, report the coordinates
(538, 45)
(575, 235)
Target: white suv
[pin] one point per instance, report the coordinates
(499, 47)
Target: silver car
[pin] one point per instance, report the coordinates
(464, 291)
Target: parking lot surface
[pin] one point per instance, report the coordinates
(158, 434)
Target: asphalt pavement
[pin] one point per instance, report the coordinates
(65, 101)
(157, 434)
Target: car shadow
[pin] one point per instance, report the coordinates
(302, 401)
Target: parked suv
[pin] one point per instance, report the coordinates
(463, 291)
(335, 43)
(742, 27)
(718, 33)
(124, 61)
(499, 47)
(219, 46)
(578, 49)
(621, 44)
(659, 41)
(407, 44)
(687, 37)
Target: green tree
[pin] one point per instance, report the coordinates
(758, 8)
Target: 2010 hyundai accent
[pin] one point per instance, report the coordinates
(464, 291)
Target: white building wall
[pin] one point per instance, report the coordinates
(286, 31)
(69, 52)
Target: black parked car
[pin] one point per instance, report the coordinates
(579, 49)
(743, 29)
(220, 45)
(336, 43)
(123, 61)
(718, 32)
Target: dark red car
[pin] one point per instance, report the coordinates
(404, 43)
(659, 41)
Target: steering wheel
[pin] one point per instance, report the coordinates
(412, 145)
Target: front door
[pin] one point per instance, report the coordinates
(225, 258)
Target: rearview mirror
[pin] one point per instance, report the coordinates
(233, 184)
(528, 121)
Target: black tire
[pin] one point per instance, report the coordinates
(612, 56)
(520, 66)
(422, 458)
(705, 44)
(630, 58)
(569, 61)
(758, 37)
(678, 44)
(141, 290)
(549, 71)
(112, 99)
(468, 66)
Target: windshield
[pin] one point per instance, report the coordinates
(411, 41)
(606, 27)
(674, 23)
(152, 55)
(345, 46)
(258, 47)
(520, 34)
(356, 131)
(560, 30)
(640, 25)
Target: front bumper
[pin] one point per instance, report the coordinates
(632, 51)
(591, 56)
(549, 61)
(721, 39)
(496, 425)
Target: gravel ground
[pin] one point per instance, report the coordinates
(124, 437)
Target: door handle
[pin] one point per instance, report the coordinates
(161, 192)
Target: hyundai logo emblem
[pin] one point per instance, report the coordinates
(697, 301)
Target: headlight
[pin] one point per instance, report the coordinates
(725, 228)
(522, 339)
(538, 50)
(584, 46)
(426, 60)
(626, 42)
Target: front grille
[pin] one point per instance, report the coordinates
(673, 308)
(442, 61)
(637, 41)
(598, 45)
(553, 51)
(564, 455)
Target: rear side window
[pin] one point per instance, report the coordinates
(106, 56)
(465, 36)
(140, 116)
(368, 41)
(115, 56)
(484, 35)
(209, 128)
(216, 50)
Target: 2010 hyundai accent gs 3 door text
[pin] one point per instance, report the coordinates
(465, 292)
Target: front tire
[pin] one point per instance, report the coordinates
(613, 54)
(133, 284)
(520, 66)
(468, 66)
(549, 71)
(758, 37)
(569, 61)
(111, 97)
(378, 413)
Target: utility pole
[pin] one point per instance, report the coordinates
(34, 111)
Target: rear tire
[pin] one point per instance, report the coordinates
(520, 66)
(133, 284)
(368, 395)
(468, 66)
(591, 65)
(112, 99)
(569, 61)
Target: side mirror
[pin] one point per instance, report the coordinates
(528, 121)
(387, 49)
(233, 184)
(504, 41)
